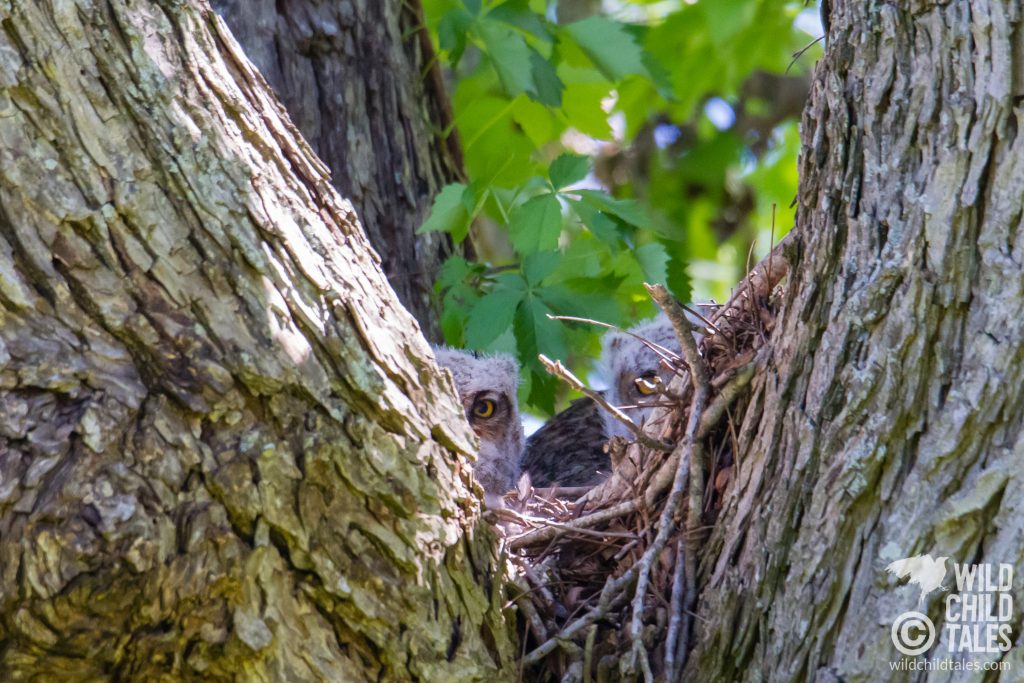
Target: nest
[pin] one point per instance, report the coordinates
(606, 577)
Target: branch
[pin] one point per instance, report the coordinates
(558, 370)
(676, 612)
(690, 451)
(665, 354)
(739, 379)
(612, 596)
(554, 530)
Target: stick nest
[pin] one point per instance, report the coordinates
(606, 578)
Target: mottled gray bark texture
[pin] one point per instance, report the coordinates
(225, 450)
(892, 422)
(360, 80)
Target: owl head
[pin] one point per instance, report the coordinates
(487, 388)
(635, 371)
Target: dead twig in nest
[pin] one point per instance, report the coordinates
(709, 420)
(524, 604)
(556, 368)
(677, 611)
(666, 355)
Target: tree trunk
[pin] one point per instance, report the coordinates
(361, 82)
(891, 424)
(225, 451)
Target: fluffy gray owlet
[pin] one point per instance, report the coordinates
(635, 371)
(487, 388)
(569, 449)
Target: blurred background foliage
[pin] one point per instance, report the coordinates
(609, 143)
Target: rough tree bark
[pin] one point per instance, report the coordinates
(892, 422)
(225, 451)
(361, 82)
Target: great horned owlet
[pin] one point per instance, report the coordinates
(635, 371)
(487, 388)
(569, 449)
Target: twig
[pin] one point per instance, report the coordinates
(562, 491)
(625, 550)
(530, 612)
(762, 277)
(588, 654)
(709, 420)
(558, 370)
(704, 320)
(570, 528)
(527, 521)
(687, 447)
(548, 533)
(727, 394)
(539, 586)
(691, 450)
(675, 612)
(645, 666)
(684, 331)
(665, 354)
(612, 596)
(800, 53)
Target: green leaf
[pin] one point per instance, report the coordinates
(453, 320)
(726, 18)
(505, 343)
(568, 169)
(627, 210)
(566, 301)
(598, 223)
(536, 333)
(497, 151)
(491, 316)
(585, 257)
(448, 213)
(453, 271)
(513, 281)
(536, 120)
(510, 56)
(581, 103)
(518, 13)
(610, 46)
(536, 225)
(547, 86)
(538, 266)
(541, 391)
(653, 261)
(458, 300)
(452, 32)
(678, 280)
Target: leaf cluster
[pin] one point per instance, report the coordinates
(593, 164)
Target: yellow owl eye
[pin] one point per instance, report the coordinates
(483, 408)
(647, 385)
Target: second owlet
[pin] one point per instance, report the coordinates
(487, 388)
(569, 449)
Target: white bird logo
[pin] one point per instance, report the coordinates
(924, 570)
